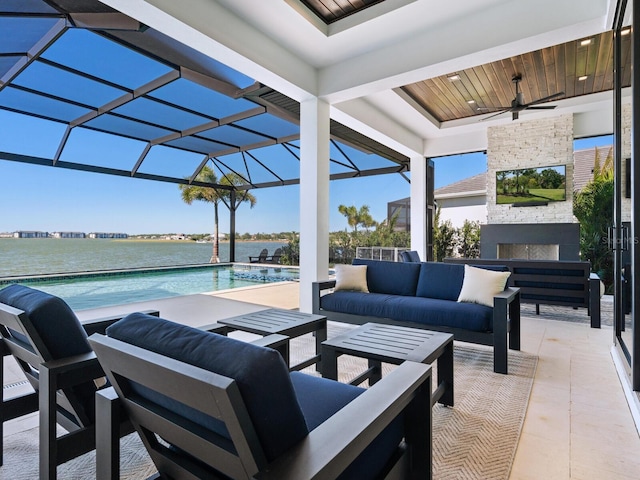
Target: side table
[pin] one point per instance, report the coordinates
(392, 344)
(290, 323)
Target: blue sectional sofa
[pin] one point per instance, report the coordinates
(425, 295)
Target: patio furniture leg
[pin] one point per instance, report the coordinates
(108, 418)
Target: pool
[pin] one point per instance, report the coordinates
(102, 289)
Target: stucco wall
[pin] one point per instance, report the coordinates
(530, 144)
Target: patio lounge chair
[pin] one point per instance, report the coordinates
(260, 258)
(275, 258)
(410, 256)
(229, 409)
(50, 345)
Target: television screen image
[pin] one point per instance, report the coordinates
(531, 186)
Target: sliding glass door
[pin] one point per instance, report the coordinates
(626, 231)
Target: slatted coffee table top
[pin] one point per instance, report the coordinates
(272, 320)
(391, 343)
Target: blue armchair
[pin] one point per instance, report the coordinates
(50, 345)
(226, 408)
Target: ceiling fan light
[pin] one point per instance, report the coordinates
(583, 78)
(626, 31)
(453, 78)
(585, 42)
(471, 102)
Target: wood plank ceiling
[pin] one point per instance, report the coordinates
(331, 11)
(580, 67)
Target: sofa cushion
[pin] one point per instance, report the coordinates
(393, 278)
(351, 277)
(260, 373)
(58, 328)
(426, 311)
(320, 398)
(433, 311)
(481, 285)
(440, 280)
(356, 303)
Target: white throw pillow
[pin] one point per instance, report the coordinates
(480, 285)
(351, 277)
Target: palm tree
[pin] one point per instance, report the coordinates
(191, 193)
(357, 217)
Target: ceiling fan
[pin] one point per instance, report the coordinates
(517, 104)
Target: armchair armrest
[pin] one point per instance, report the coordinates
(317, 288)
(335, 444)
(74, 370)
(99, 325)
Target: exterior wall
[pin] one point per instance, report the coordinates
(463, 208)
(530, 144)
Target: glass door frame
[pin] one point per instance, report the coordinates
(628, 353)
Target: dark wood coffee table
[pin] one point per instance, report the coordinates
(290, 323)
(392, 344)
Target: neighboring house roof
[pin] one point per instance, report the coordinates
(583, 163)
(470, 186)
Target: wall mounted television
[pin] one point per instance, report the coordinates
(531, 186)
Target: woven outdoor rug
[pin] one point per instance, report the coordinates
(476, 439)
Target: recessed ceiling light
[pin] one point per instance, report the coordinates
(583, 78)
(626, 31)
(453, 78)
(586, 42)
(471, 102)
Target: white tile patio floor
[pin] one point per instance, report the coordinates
(578, 424)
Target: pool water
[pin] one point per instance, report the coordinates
(83, 291)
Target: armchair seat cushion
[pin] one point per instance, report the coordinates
(320, 398)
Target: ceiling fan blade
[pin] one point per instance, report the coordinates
(494, 115)
(541, 107)
(544, 99)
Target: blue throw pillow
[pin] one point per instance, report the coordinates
(392, 278)
(260, 373)
(440, 280)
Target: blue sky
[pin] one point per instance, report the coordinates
(50, 199)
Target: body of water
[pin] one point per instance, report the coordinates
(40, 256)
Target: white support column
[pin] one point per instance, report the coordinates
(314, 197)
(419, 206)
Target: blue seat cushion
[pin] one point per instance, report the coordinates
(260, 373)
(320, 398)
(426, 311)
(57, 327)
(393, 278)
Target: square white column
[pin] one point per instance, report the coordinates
(314, 197)
(419, 222)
